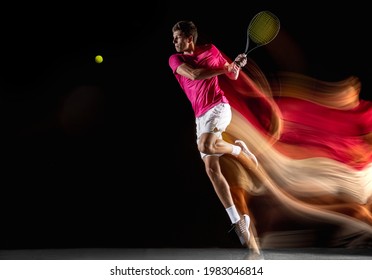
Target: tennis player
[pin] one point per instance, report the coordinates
(196, 68)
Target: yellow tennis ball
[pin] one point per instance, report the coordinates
(98, 58)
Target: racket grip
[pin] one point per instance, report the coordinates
(238, 63)
(241, 60)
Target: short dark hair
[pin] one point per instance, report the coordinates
(188, 28)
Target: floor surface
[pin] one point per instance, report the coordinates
(186, 254)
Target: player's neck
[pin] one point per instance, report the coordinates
(190, 50)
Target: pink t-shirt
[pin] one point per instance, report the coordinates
(203, 94)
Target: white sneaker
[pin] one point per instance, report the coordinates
(242, 230)
(247, 151)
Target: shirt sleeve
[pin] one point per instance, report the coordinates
(175, 60)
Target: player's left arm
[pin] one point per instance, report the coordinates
(198, 73)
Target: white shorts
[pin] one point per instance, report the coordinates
(215, 121)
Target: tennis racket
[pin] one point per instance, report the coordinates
(262, 29)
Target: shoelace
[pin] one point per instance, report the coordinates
(241, 225)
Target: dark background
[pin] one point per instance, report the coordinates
(104, 155)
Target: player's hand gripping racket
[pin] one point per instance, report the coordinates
(262, 29)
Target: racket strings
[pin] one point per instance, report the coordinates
(263, 28)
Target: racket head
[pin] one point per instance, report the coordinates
(263, 28)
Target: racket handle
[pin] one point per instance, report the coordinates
(238, 63)
(241, 60)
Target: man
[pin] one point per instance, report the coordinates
(196, 68)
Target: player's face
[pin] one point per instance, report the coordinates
(181, 42)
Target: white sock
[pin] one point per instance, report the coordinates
(233, 214)
(236, 150)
